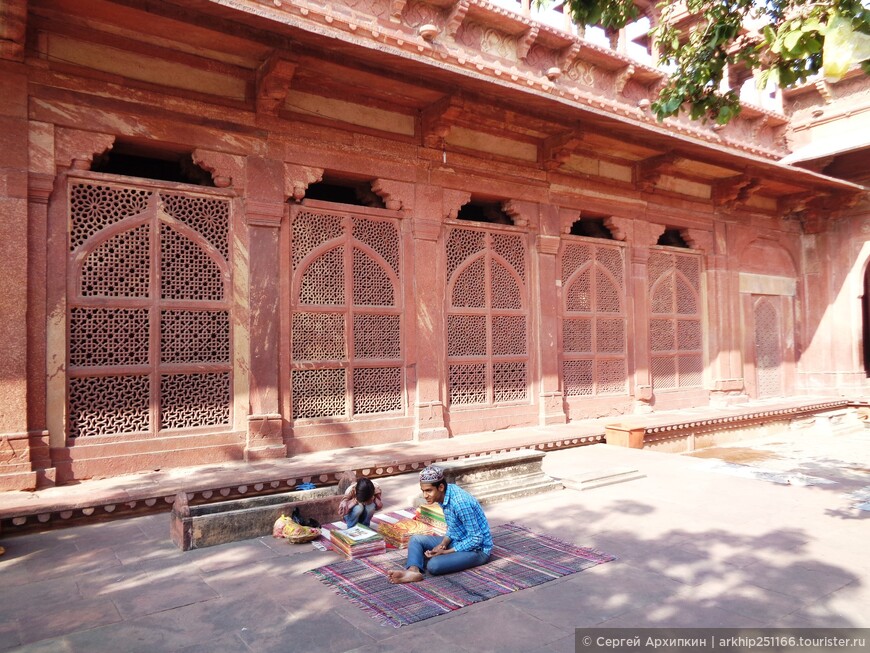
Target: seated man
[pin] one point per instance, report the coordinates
(467, 543)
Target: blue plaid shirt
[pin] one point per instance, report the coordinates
(467, 527)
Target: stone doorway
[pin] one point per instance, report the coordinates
(768, 348)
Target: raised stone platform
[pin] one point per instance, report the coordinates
(691, 429)
(503, 476)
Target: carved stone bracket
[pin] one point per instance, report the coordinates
(522, 213)
(526, 41)
(737, 190)
(549, 244)
(455, 17)
(273, 83)
(396, 9)
(556, 150)
(824, 90)
(619, 227)
(39, 187)
(452, 201)
(651, 236)
(13, 29)
(438, 118)
(649, 171)
(264, 214)
(297, 179)
(823, 207)
(699, 239)
(395, 194)
(757, 125)
(621, 79)
(569, 55)
(225, 169)
(76, 149)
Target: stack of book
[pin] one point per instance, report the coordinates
(433, 516)
(357, 542)
(398, 533)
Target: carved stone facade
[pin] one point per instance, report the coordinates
(291, 226)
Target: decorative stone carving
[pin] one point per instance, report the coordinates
(526, 41)
(438, 118)
(225, 169)
(730, 193)
(453, 200)
(39, 187)
(556, 150)
(522, 213)
(649, 171)
(549, 244)
(395, 194)
(297, 179)
(273, 83)
(396, 9)
(698, 239)
(619, 227)
(455, 17)
(76, 149)
(621, 78)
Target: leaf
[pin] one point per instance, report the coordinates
(791, 40)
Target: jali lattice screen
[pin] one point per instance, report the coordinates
(149, 345)
(487, 332)
(346, 322)
(768, 348)
(593, 319)
(674, 282)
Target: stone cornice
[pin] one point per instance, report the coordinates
(535, 58)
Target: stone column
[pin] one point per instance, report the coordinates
(552, 399)
(265, 209)
(15, 461)
(430, 282)
(645, 235)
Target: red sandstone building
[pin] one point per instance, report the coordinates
(244, 229)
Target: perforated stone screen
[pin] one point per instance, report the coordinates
(346, 314)
(487, 332)
(593, 318)
(674, 283)
(149, 345)
(768, 348)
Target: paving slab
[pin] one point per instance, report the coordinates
(695, 548)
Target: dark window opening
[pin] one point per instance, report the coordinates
(340, 192)
(673, 238)
(490, 212)
(173, 166)
(591, 228)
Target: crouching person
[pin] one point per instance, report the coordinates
(467, 543)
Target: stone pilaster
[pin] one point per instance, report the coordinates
(429, 323)
(264, 215)
(15, 461)
(552, 404)
(644, 236)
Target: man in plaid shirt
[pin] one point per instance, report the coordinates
(467, 543)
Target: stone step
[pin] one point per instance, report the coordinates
(600, 478)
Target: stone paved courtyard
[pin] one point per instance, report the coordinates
(695, 546)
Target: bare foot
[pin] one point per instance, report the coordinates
(404, 576)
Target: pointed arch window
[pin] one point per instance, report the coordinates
(149, 344)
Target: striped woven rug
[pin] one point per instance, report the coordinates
(520, 559)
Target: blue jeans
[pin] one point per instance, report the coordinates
(446, 563)
(360, 514)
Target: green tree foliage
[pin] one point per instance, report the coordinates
(785, 40)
